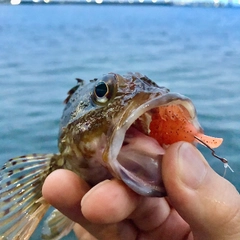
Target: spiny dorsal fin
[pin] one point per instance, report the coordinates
(80, 81)
(93, 80)
(74, 89)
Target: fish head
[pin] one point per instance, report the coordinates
(113, 119)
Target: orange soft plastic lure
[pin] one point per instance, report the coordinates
(170, 124)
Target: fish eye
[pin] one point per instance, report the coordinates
(101, 92)
(105, 89)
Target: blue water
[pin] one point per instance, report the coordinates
(193, 51)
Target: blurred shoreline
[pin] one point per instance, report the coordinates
(210, 4)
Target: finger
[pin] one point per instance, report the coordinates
(116, 202)
(174, 227)
(150, 213)
(113, 201)
(208, 202)
(82, 233)
(64, 190)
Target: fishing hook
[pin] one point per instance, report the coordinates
(224, 160)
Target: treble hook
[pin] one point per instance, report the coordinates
(224, 160)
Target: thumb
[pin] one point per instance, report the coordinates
(206, 201)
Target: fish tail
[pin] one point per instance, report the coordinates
(56, 226)
(21, 203)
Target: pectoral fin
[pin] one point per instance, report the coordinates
(56, 226)
(21, 203)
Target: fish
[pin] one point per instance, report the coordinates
(114, 126)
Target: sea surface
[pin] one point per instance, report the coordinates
(192, 51)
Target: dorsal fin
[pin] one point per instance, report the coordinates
(80, 81)
(74, 89)
(93, 80)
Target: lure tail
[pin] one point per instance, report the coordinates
(212, 142)
(21, 203)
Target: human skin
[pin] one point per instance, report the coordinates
(200, 203)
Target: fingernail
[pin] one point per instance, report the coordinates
(192, 166)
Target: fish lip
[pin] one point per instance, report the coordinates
(118, 135)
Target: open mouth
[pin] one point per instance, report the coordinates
(137, 146)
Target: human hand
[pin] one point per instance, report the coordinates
(200, 203)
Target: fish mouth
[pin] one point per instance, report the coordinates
(133, 155)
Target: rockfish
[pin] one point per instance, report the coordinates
(112, 127)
